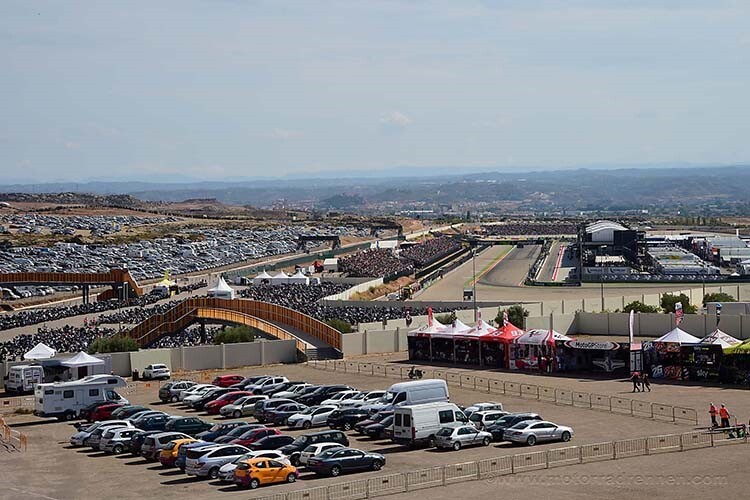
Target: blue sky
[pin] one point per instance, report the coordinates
(199, 89)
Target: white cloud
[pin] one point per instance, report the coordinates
(396, 118)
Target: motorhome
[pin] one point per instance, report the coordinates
(65, 400)
(417, 424)
(23, 378)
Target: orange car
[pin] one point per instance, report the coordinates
(254, 472)
(168, 456)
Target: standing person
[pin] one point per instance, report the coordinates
(713, 412)
(636, 378)
(645, 383)
(724, 415)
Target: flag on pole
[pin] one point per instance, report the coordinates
(479, 318)
(505, 318)
(678, 313)
(632, 320)
(408, 316)
(429, 316)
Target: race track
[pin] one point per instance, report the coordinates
(512, 270)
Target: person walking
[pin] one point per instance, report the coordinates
(636, 378)
(724, 416)
(713, 412)
(645, 383)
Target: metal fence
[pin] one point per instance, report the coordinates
(559, 396)
(510, 464)
(18, 440)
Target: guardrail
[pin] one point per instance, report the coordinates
(14, 438)
(556, 395)
(433, 477)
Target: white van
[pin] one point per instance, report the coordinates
(65, 400)
(412, 393)
(23, 378)
(418, 424)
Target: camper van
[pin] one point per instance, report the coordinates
(23, 378)
(418, 424)
(65, 400)
(412, 393)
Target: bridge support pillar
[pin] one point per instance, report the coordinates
(203, 332)
(262, 352)
(85, 297)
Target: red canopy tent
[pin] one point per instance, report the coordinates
(506, 334)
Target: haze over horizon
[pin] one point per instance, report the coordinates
(209, 90)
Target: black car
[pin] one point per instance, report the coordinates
(210, 396)
(360, 426)
(187, 425)
(219, 430)
(501, 424)
(278, 415)
(240, 386)
(347, 418)
(378, 429)
(321, 394)
(236, 433)
(137, 441)
(127, 411)
(339, 460)
(294, 449)
(272, 442)
(274, 388)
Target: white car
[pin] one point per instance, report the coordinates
(193, 390)
(156, 371)
(485, 406)
(316, 449)
(314, 416)
(261, 384)
(292, 392)
(79, 437)
(483, 419)
(226, 473)
(195, 396)
(361, 399)
(337, 398)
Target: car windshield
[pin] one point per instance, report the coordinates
(520, 425)
(388, 396)
(359, 396)
(504, 421)
(328, 453)
(301, 440)
(445, 431)
(238, 431)
(387, 421)
(215, 428)
(241, 401)
(308, 411)
(475, 417)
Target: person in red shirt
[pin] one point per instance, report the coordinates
(724, 415)
(713, 412)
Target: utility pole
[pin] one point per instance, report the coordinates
(474, 280)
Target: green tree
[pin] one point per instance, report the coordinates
(718, 297)
(340, 325)
(640, 307)
(235, 335)
(117, 343)
(669, 300)
(516, 315)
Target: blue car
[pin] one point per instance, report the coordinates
(182, 454)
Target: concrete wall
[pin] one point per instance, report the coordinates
(374, 342)
(140, 359)
(202, 357)
(563, 323)
(279, 351)
(244, 354)
(121, 364)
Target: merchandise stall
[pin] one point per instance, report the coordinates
(536, 350)
(495, 345)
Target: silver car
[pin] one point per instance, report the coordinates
(153, 445)
(118, 441)
(207, 461)
(532, 432)
(242, 407)
(457, 437)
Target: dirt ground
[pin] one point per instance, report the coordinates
(86, 474)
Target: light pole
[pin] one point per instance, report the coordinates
(474, 280)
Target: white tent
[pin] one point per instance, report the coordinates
(40, 351)
(428, 330)
(282, 277)
(540, 336)
(299, 278)
(262, 278)
(222, 290)
(720, 338)
(678, 336)
(450, 330)
(82, 359)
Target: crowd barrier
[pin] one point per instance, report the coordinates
(12, 437)
(510, 464)
(559, 396)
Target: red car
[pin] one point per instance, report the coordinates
(103, 412)
(213, 407)
(254, 435)
(227, 380)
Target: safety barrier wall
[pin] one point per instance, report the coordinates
(600, 402)
(509, 464)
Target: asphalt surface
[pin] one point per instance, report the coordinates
(514, 267)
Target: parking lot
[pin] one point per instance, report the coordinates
(85, 472)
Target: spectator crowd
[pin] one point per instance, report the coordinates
(530, 229)
(65, 339)
(374, 263)
(427, 252)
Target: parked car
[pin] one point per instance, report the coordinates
(346, 418)
(86, 410)
(184, 448)
(240, 386)
(336, 461)
(237, 432)
(156, 371)
(187, 425)
(362, 399)
(170, 392)
(242, 407)
(117, 440)
(262, 407)
(104, 412)
(260, 471)
(78, 438)
(152, 422)
(360, 426)
(137, 439)
(153, 444)
(483, 419)
(378, 429)
(254, 435)
(294, 449)
(210, 395)
(169, 454)
(219, 429)
(226, 473)
(316, 449)
(280, 414)
(457, 437)
(503, 423)
(258, 386)
(215, 406)
(95, 438)
(227, 380)
(484, 406)
(206, 462)
(338, 397)
(532, 432)
(272, 389)
(192, 391)
(313, 416)
(127, 411)
(273, 442)
(320, 394)
(293, 391)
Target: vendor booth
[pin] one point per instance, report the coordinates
(299, 278)
(665, 357)
(593, 355)
(82, 365)
(40, 351)
(280, 278)
(222, 290)
(495, 345)
(262, 279)
(535, 350)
